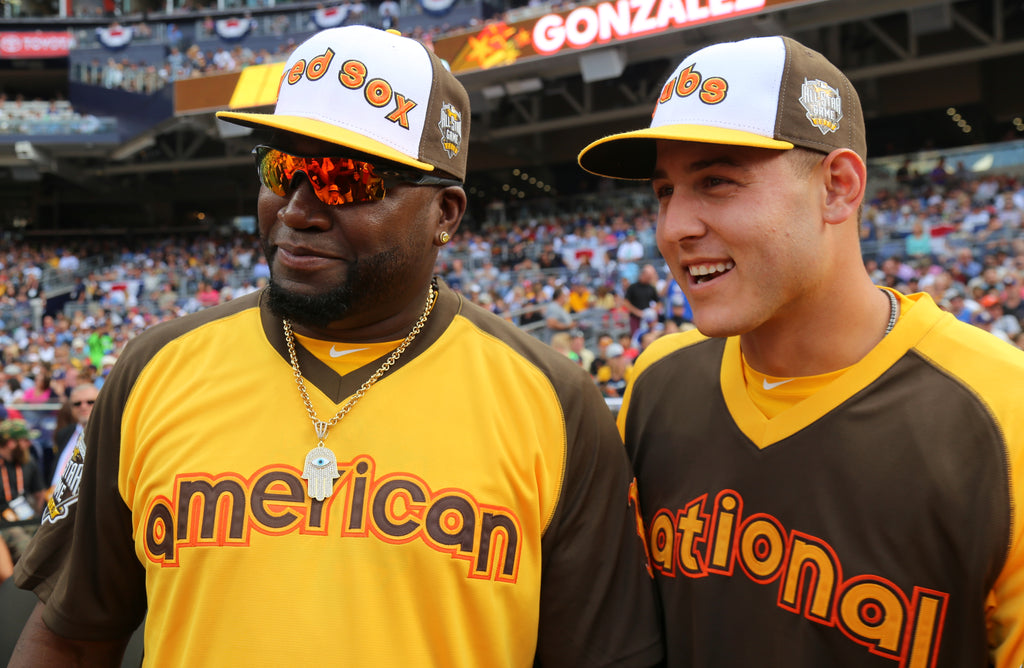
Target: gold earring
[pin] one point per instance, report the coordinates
(443, 238)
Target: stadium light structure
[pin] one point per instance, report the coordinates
(494, 92)
(131, 147)
(601, 65)
(520, 86)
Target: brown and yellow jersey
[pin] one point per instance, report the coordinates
(871, 524)
(480, 516)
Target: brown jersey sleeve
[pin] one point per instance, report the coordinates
(598, 605)
(82, 561)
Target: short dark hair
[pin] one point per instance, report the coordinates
(805, 160)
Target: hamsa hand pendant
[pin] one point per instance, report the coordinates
(320, 470)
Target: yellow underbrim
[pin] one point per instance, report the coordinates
(632, 155)
(327, 132)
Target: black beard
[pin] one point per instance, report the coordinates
(369, 283)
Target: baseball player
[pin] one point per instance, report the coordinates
(354, 467)
(830, 472)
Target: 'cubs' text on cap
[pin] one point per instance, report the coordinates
(375, 92)
(771, 92)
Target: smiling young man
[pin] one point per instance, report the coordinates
(354, 466)
(828, 470)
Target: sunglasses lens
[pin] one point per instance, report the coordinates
(334, 180)
(271, 166)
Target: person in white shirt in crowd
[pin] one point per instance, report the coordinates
(64, 440)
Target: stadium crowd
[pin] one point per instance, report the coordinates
(590, 284)
(21, 116)
(188, 60)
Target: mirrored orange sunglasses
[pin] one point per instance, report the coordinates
(335, 180)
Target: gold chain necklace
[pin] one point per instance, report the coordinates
(321, 466)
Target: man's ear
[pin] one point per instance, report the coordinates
(845, 180)
(451, 203)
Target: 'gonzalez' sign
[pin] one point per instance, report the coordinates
(585, 26)
(501, 43)
(35, 44)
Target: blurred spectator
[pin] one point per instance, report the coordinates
(677, 308)
(613, 377)
(22, 487)
(174, 35)
(628, 349)
(642, 297)
(388, 12)
(560, 341)
(604, 339)
(580, 297)
(207, 295)
(1004, 325)
(41, 391)
(176, 64)
(99, 344)
(578, 345)
(629, 254)
(918, 243)
(64, 439)
(983, 320)
(223, 60)
(556, 315)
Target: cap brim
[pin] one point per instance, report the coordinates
(632, 155)
(327, 132)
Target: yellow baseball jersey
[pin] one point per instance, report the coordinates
(481, 514)
(874, 524)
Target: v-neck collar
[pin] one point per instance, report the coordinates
(919, 314)
(338, 387)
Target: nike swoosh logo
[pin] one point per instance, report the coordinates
(341, 353)
(772, 386)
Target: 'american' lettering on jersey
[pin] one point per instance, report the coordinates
(396, 508)
(869, 609)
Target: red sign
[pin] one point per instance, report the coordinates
(35, 44)
(586, 26)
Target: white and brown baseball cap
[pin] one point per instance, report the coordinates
(771, 92)
(375, 92)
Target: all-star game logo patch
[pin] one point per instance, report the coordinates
(823, 104)
(451, 129)
(66, 493)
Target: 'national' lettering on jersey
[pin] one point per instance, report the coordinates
(696, 542)
(224, 509)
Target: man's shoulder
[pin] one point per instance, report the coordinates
(667, 346)
(527, 347)
(991, 367)
(161, 334)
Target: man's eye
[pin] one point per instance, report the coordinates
(662, 191)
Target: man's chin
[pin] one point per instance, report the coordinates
(313, 308)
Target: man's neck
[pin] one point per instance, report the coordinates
(830, 336)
